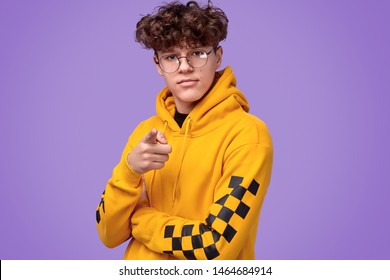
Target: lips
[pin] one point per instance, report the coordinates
(187, 82)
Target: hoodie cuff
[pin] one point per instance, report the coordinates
(129, 174)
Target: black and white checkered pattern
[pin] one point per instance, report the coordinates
(219, 223)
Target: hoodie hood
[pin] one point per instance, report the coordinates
(223, 98)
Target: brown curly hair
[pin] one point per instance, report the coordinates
(176, 24)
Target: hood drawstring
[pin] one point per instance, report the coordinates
(165, 126)
(181, 160)
(154, 171)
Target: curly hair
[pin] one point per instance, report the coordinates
(176, 24)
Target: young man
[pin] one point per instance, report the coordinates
(192, 179)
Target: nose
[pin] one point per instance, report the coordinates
(184, 66)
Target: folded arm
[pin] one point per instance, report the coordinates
(239, 195)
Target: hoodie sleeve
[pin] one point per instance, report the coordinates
(117, 203)
(239, 195)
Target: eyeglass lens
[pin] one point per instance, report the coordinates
(196, 58)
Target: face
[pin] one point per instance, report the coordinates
(189, 84)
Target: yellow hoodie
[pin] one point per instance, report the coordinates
(205, 203)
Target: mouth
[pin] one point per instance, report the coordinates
(187, 82)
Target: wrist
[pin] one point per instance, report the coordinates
(130, 165)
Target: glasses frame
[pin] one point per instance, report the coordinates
(157, 61)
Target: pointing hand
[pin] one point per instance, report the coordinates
(151, 153)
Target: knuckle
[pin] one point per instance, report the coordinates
(144, 148)
(145, 167)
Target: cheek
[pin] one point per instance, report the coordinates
(169, 83)
(208, 78)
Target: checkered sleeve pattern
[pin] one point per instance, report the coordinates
(200, 241)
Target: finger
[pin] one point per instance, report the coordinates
(159, 158)
(156, 165)
(162, 149)
(161, 138)
(151, 137)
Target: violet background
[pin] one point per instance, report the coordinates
(74, 84)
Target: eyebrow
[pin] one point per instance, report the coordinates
(172, 51)
(169, 52)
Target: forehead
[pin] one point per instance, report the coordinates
(180, 49)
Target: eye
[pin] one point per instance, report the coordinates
(198, 53)
(169, 57)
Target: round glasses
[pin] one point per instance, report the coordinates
(170, 63)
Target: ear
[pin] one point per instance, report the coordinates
(219, 54)
(155, 60)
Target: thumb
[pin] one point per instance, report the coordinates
(151, 137)
(161, 138)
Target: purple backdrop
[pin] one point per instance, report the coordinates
(73, 85)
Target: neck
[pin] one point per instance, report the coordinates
(184, 109)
